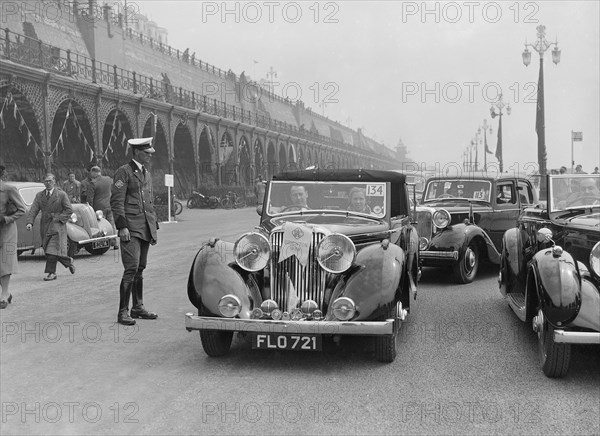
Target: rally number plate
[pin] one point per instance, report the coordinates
(100, 244)
(270, 341)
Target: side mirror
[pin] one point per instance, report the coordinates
(544, 235)
(259, 209)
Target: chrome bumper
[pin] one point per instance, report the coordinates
(565, 337)
(366, 328)
(102, 238)
(438, 255)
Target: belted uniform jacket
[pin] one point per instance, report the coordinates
(56, 211)
(132, 202)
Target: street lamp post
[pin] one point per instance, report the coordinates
(484, 128)
(496, 111)
(540, 46)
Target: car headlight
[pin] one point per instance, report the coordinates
(441, 218)
(336, 253)
(99, 215)
(252, 251)
(423, 243)
(230, 305)
(343, 308)
(73, 217)
(595, 259)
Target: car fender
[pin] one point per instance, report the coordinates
(558, 286)
(514, 265)
(375, 285)
(212, 277)
(589, 314)
(76, 233)
(457, 238)
(472, 231)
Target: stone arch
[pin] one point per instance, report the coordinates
(227, 159)
(205, 157)
(184, 164)
(246, 172)
(115, 133)
(160, 159)
(282, 158)
(71, 140)
(21, 151)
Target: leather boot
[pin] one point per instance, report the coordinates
(138, 310)
(125, 290)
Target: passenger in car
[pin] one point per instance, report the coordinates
(358, 201)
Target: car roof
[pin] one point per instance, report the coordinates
(342, 175)
(399, 200)
(26, 184)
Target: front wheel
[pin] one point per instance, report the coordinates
(177, 208)
(466, 268)
(554, 358)
(213, 202)
(216, 343)
(385, 346)
(225, 203)
(192, 203)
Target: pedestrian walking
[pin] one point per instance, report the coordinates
(72, 187)
(56, 211)
(11, 209)
(98, 196)
(85, 183)
(132, 206)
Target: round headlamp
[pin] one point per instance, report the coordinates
(595, 259)
(252, 251)
(343, 308)
(73, 217)
(268, 306)
(308, 307)
(230, 305)
(423, 243)
(336, 253)
(441, 218)
(99, 215)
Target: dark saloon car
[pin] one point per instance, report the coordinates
(550, 270)
(334, 254)
(85, 228)
(461, 220)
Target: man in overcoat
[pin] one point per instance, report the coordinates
(133, 210)
(56, 211)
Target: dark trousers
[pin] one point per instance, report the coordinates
(52, 259)
(134, 254)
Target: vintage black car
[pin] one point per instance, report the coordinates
(461, 220)
(86, 228)
(316, 265)
(550, 269)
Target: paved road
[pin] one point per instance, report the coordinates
(465, 366)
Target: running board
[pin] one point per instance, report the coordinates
(516, 301)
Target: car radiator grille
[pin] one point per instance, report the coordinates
(424, 224)
(308, 281)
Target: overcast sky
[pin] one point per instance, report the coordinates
(425, 73)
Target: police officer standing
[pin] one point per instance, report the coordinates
(133, 209)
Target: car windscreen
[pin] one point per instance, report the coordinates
(28, 194)
(573, 191)
(453, 188)
(368, 198)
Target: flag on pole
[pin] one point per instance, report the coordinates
(540, 122)
(499, 146)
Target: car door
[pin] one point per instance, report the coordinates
(506, 210)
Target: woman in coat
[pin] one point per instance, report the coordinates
(11, 209)
(56, 210)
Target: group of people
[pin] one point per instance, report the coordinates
(125, 201)
(357, 200)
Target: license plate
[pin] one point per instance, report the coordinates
(100, 244)
(270, 341)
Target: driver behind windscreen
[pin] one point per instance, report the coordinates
(587, 193)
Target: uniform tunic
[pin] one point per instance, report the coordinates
(8, 227)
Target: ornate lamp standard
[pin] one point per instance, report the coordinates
(541, 45)
(499, 105)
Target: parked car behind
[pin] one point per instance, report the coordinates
(312, 267)
(85, 229)
(461, 220)
(550, 269)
